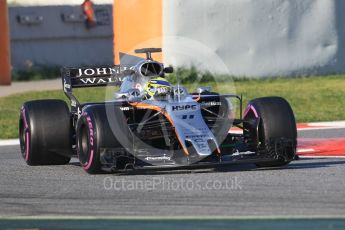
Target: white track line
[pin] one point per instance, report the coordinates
(9, 142)
(321, 157)
(323, 125)
(319, 128)
(305, 150)
(273, 217)
(339, 124)
(312, 126)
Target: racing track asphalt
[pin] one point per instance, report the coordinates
(307, 187)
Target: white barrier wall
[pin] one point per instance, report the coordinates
(261, 37)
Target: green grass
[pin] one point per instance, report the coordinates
(10, 106)
(36, 73)
(312, 98)
(319, 98)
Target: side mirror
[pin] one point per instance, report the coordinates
(168, 69)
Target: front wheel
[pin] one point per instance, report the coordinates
(276, 127)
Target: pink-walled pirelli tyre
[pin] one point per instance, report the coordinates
(276, 122)
(94, 134)
(45, 132)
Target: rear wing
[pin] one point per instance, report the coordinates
(90, 77)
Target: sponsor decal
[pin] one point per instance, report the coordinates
(184, 117)
(199, 140)
(99, 76)
(124, 108)
(183, 107)
(79, 111)
(73, 103)
(202, 145)
(65, 85)
(101, 71)
(88, 163)
(211, 103)
(89, 122)
(96, 80)
(158, 158)
(196, 136)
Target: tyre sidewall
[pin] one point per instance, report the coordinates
(276, 119)
(25, 135)
(89, 160)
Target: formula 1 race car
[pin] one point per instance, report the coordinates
(151, 124)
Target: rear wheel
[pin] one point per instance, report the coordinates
(45, 132)
(277, 127)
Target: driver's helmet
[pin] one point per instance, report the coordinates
(157, 86)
